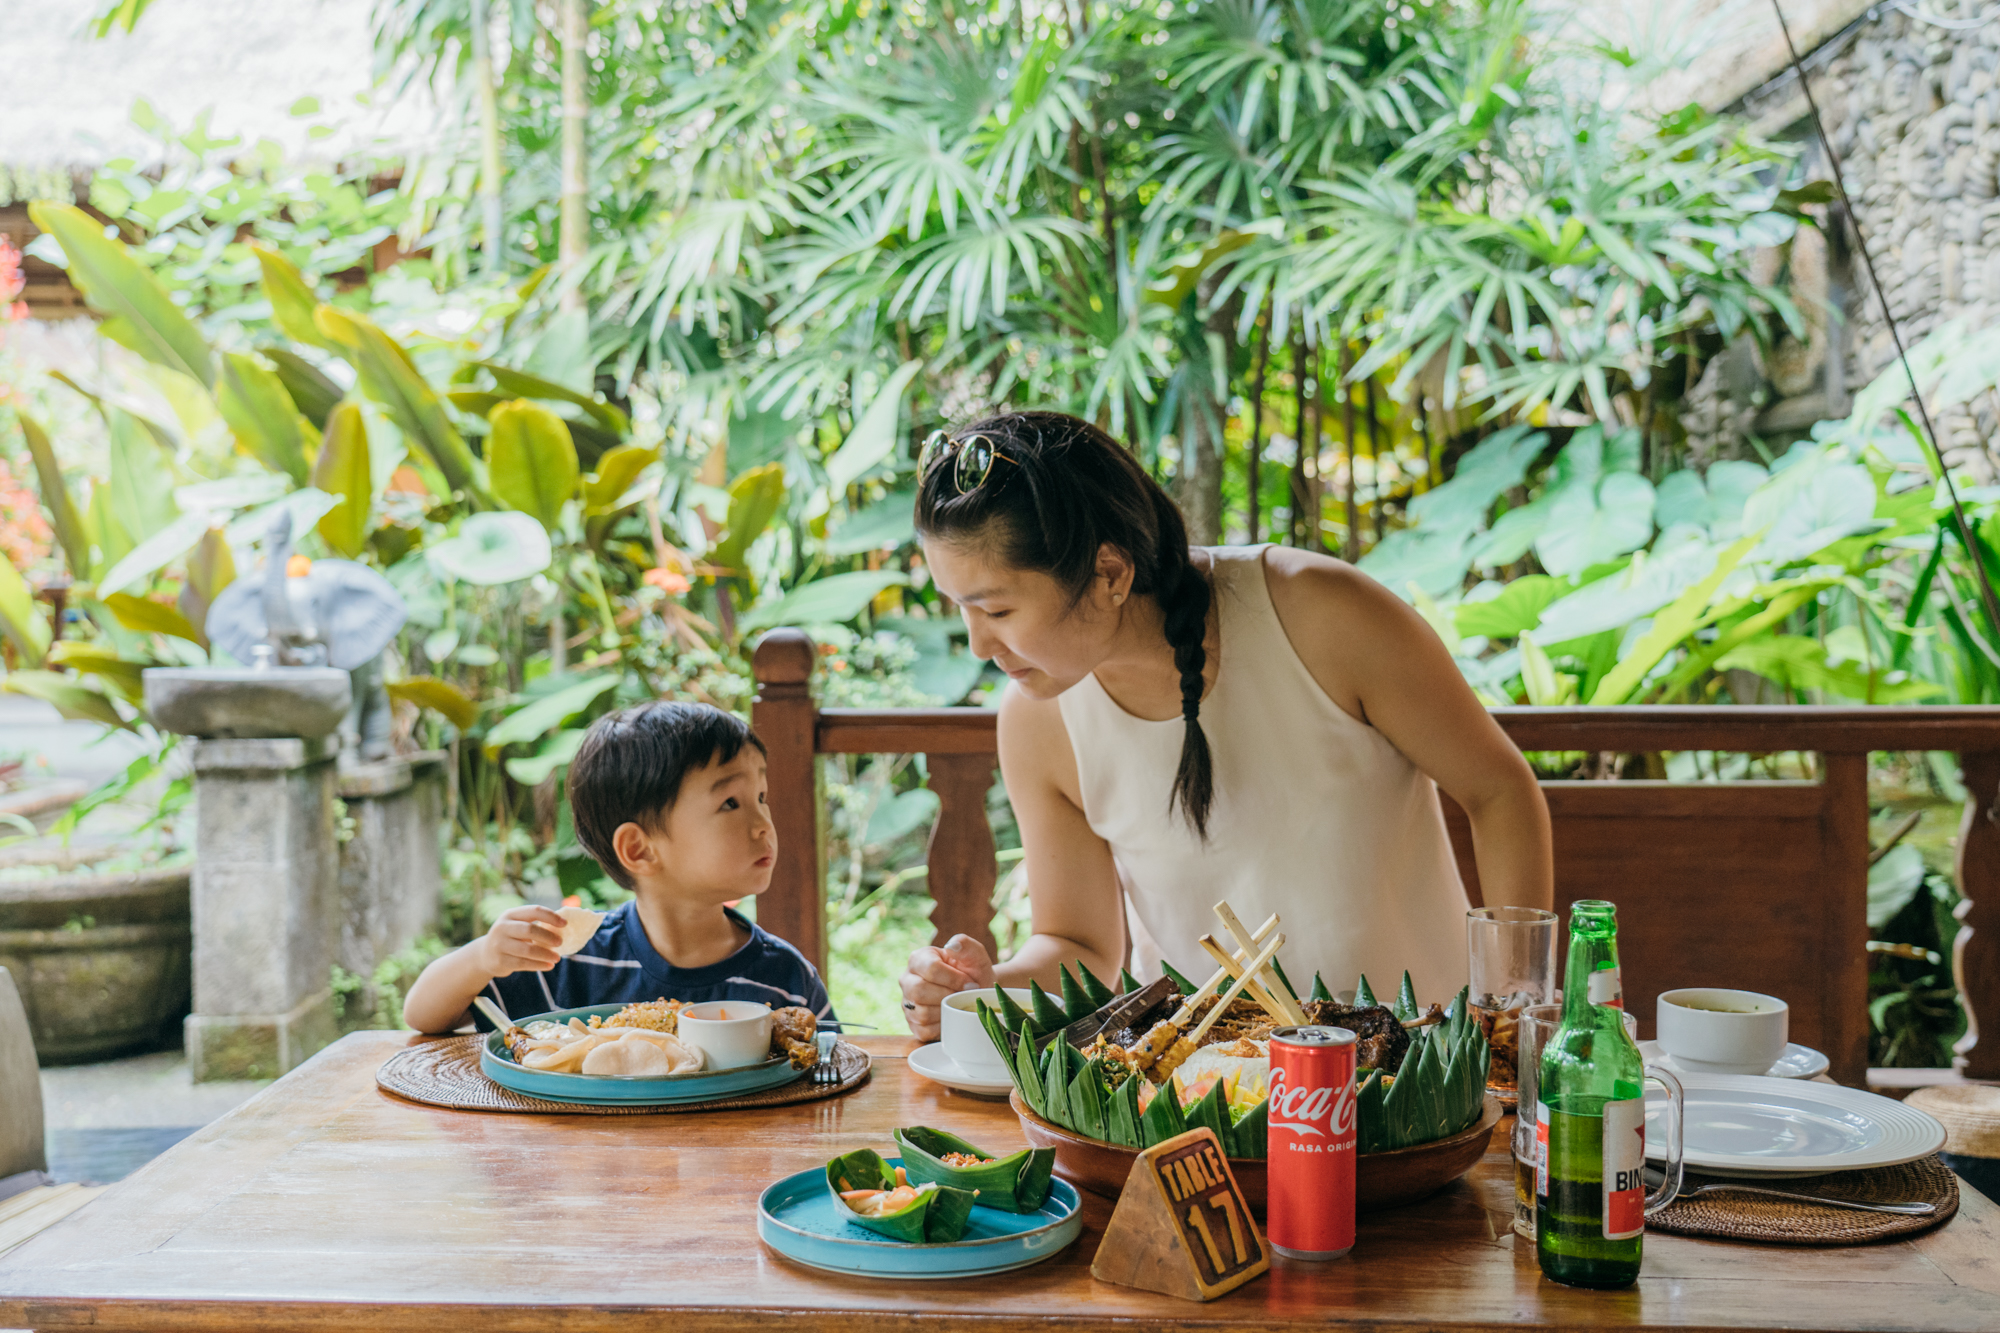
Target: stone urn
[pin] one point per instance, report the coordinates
(101, 958)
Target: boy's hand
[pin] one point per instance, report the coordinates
(524, 939)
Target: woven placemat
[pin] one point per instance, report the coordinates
(446, 1073)
(1730, 1215)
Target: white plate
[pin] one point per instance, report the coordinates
(1796, 1061)
(935, 1065)
(1749, 1125)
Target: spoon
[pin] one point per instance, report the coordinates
(1654, 1176)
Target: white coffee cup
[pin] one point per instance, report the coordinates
(1713, 1031)
(733, 1034)
(964, 1037)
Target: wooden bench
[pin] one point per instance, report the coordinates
(1760, 885)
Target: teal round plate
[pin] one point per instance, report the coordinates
(606, 1090)
(801, 1219)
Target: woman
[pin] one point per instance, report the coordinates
(1257, 724)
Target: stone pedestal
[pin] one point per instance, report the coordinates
(390, 866)
(266, 906)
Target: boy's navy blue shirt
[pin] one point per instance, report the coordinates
(620, 966)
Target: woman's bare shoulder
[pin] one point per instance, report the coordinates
(1034, 743)
(1351, 633)
(1307, 585)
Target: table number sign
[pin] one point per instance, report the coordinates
(1181, 1226)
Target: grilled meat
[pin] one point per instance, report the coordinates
(1383, 1040)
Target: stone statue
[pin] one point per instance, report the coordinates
(316, 613)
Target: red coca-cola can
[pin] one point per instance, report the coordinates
(1310, 1208)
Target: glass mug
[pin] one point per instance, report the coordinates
(1537, 1024)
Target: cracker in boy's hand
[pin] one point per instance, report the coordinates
(579, 924)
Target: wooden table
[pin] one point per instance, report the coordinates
(325, 1203)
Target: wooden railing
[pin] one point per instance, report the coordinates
(1759, 884)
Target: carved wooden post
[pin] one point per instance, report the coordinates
(783, 716)
(1975, 954)
(961, 848)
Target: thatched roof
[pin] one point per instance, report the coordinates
(66, 97)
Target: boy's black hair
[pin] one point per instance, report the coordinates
(631, 764)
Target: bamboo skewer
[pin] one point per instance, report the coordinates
(1271, 1004)
(1161, 1038)
(1287, 1003)
(1229, 996)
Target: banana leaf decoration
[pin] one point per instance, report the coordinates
(1048, 1015)
(1014, 1184)
(935, 1215)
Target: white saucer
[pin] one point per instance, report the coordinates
(1795, 1061)
(935, 1065)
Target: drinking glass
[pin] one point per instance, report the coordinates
(1536, 1024)
(1513, 955)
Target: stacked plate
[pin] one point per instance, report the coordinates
(1752, 1125)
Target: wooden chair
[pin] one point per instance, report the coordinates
(23, 1158)
(1759, 885)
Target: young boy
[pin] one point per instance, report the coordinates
(669, 798)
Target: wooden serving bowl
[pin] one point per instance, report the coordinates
(1381, 1179)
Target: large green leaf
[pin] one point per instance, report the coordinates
(887, 524)
(616, 471)
(1591, 523)
(754, 499)
(1488, 470)
(824, 601)
(154, 554)
(1518, 607)
(389, 377)
(138, 311)
(342, 471)
(440, 696)
(19, 619)
(261, 414)
(529, 723)
(493, 548)
(63, 515)
(531, 461)
(1809, 506)
(141, 494)
(558, 750)
(312, 392)
(874, 435)
(1795, 662)
(1680, 619)
(75, 701)
(292, 300)
(521, 384)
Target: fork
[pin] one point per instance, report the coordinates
(826, 1072)
(1653, 1177)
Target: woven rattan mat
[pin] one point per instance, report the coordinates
(1733, 1216)
(446, 1073)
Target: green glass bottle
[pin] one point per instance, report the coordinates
(1590, 1193)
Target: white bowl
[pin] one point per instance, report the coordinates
(733, 1034)
(1712, 1031)
(963, 1037)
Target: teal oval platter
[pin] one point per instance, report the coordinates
(800, 1219)
(608, 1090)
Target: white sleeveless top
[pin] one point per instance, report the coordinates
(1316, 817)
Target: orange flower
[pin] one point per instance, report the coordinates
(671, 582)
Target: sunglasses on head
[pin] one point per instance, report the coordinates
(972, 458)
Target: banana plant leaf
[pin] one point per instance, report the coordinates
(1406, 1007)
(1210, 1109)
(1250, 1136)
(1055, 1085)
(66, 520)
(312, 392)
(1049, 1016)
(531, 461)
(1013, 1016)
(342, 470)
(1320, 992)
(1364, 994)
(1086, 1100)
(936, 1216)
(138, 312)
(1014, 1184)
(261, 415)
(1368, 1126)
(1162, 1119)
(389, 377)
(1075, 1003)
(1095, 992)
(1121, 1120)
(1028, 1076)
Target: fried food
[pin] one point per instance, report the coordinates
(657, 1015)
(1383, 1040)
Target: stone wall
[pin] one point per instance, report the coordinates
(1913, 111)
